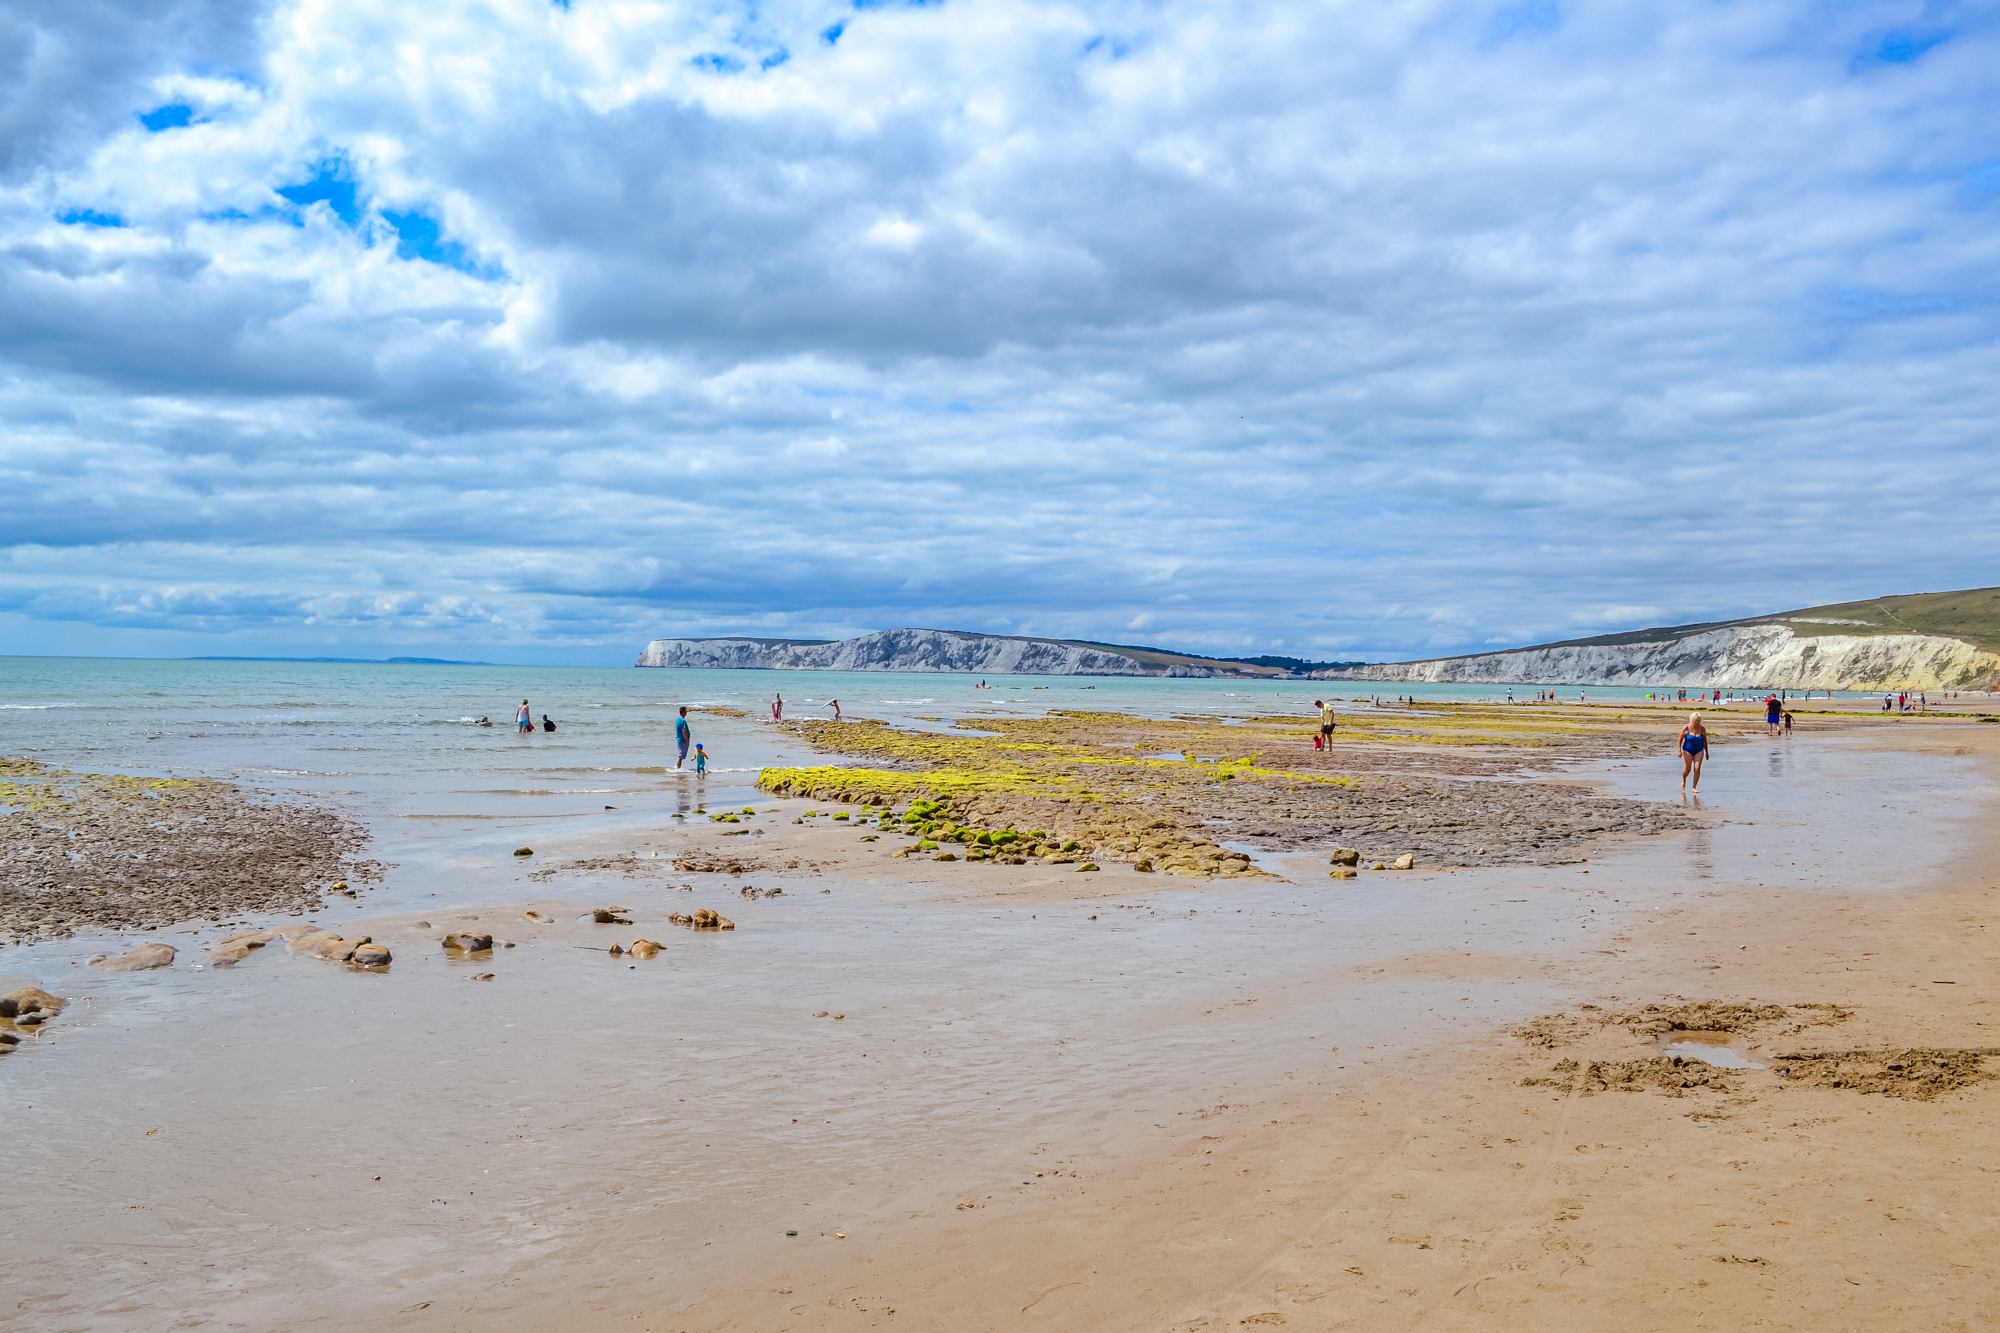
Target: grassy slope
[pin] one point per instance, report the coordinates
(1972, 614)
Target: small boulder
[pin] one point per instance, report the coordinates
(228, 955)
(617, 951)
(1378, 866)
(1344, 872)
(294, 930)
(9, 1039)
(1144, 865)
(255, 939)
(644, 948)
(145, 958)
(372, 955)
(28, 1000)
(679, 919)
(945, 856)
(1407, 861)
(1345, 856)
(469, 941)
(1087, 865)
(524, 851)
(338, 948)
(608, 916)
(705, 918)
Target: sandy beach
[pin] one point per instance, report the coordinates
(1037, 1096)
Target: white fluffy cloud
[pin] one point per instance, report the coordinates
(487, 329)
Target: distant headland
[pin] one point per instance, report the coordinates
(945, 650)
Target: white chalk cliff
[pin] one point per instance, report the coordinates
(1755, 656)
(898, 650)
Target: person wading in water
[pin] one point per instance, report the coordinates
(1694, 749)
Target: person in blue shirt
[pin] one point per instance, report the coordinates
(682, 735)
(700, 762)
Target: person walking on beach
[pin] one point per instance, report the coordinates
(524, 721)
(700, 762)
(1788, 721)
(1325, 723)
(834, 704)
(1773, 714)
(683, 733)
(1694, 749)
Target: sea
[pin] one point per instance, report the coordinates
(399, 742)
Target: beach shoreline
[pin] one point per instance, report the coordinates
(1097, 1027)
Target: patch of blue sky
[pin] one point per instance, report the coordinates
(1863, 304)
(775, 59)
(90, 217)
(1116, 48)
(1526, 19)
(832, 35)
(717, 63)
(419, 236)
(1984, 178)
(896, 4)
(167, 118)
(333, 185)
(1903, 48)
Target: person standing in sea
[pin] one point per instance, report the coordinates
(1694, 749)
(524, 721)
(777, 707)
(683, 733)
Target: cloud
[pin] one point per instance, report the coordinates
(1401, 329)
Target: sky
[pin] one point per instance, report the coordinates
(529, 332)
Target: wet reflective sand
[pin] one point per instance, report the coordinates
(289, 1143)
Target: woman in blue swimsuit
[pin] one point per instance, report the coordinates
(1694, 749)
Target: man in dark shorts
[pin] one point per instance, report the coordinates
(1325, 723)
(682, 735)
(1773, 711)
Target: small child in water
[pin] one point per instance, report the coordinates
(700, 762)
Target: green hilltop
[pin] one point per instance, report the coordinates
(1971, 615)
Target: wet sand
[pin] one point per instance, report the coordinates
(1238, 1103)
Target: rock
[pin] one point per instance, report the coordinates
(534, 916)
(337, 948)
(228, 955)
(28, 1000)
(469, 941)
(705, 918)
(1345, 856)
(1407, 861)
(524, 851)
(1378, 866)
(945, 856)
(255, 939)
(1087, 865)
(644, 948)
(608, 916)
(294, 930)
(483, 976)
(679, 919)
(9, 1039)
(145, 958)
(372, 955)
(32, 1020)
(1343, 872)
(1144, 865)
(617, 951)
